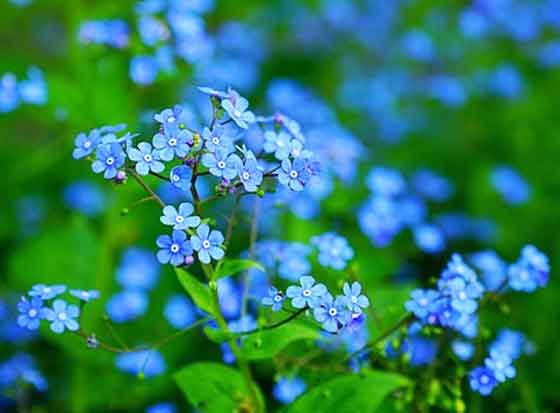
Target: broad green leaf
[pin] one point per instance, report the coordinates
(268, 343)
(200, 293)
(214, 388)
(362, 392)
(232, 267)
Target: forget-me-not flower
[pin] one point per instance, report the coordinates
(180, 219)
(32, 312)
(332, 312)
(308, 294)
(208, 244)
(222, 164)
(275, 299)
(62, 316)
(146, 158)
(85, 295)
(86, 144)
(278, 143)
(236, 107)
(181, 177)
(109, 158)
(174, 145)
(217, 140)
(250, 174)
(174, 248)
(500, 364)
(46, 292)
(355, 300)
(293, 174)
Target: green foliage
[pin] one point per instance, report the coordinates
(228, 267)
(200, 293)
(362, 392)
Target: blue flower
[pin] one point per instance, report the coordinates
(32, 312)
(62, 316)
(423, 302)
(138, 269)
(494, 269)
(181, 176)
(500, 364)
(86, 144)
(530, 271)
(109, 158)
(33, 90)
(213, 92)
(175, 145)
(278, 143)
(174, 248)
(463, 349)
(429, 238)
(287, 389)
(181, 219)
(127, 305)
(208, 244)
(85, 197)
(179, 311)
(331, 312)
(309, 294)
(222, 164)
(421, 350)
(149, 363)
(146, 158)
(236, 107)
(21, 368)
(293, 174)
(355, 301)
(482, 380)
(385, 181)
(143, 70)
(85, 295)
(510, 342)
(513, 188)
(217, 140)
(334, 250)
(46, 292)
(275, 299)
(250, 174)
(161, 408)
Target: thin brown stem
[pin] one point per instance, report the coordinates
(143, 184)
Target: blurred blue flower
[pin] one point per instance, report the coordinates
(429, 238)
(236, 107)
(287, 389)
(179, 311)
(514, 189)
(385, 181)
(127, 305)
(464, 350)
(422, 350)
(494, 269)
(334, 250)
(148, 363)
(143, 70)
(85, 295)
(500, 364)
(355, 300)
(138, 269)
(85, 197)
(21, 367)
(509, 342)
(482, 380)
(165, 407)
(530, 271)
(33, 90)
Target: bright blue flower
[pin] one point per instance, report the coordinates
(423, 302)
(379, 219)
(62, 316)
(181, 176)
(287, 389)
(464, 350)
(429, 238)
(530, 271)
(418, 45)
(422, 351)
(85, 197)
(500, 364)
(85, 295)
(86, 143)
(143, 70)
(355, 300)
(236, 107)
(127, 305)
(181, 219)
(275, 299)
(146, 158)
(482, 380)
(138, 269)
(331, 312)
(114, 33)
(293, 174)
(32, 312)
(208, 244)
(514, 189)
(46, 292)
(109, 158)
(213, 92)
(33, 90)
(162, 408)
(169, 146)
(334, 250)
(509, 342)
(149, 363)
(9, 96)
(506, 81)
(494, 269)
(222, 164)
(279, 144)
(217, 140)
(179, 311)
(250, 174)
(309, 294)
(174, 249)
(448, 90)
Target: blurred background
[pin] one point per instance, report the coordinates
(459, 99)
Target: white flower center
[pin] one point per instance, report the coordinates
(215, 140)
(174, 248)
(423, 302)
(176, 178)
(462, 295)
(47, 290)
(354, 299)
(499, 365)
(87, 144)
(171, 119)
(179, 219)
(32, 313)
(206, 243)
(280, 144)
(246, 175)
(293, 174)
(332, 312)
(221, 164)
(306, 292)
(237, 113)
(484, 379)
(148, 157)
(110, 161)
(62, 316)
(277, 298)
(172, 142)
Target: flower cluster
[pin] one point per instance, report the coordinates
(31, 91)
(20, 368)
(334, 313)
(42, 304)
(215, 151)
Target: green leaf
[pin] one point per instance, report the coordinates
(362, 392)
(200, 293)
(214, 388)
(232, 267)
(268, 343)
